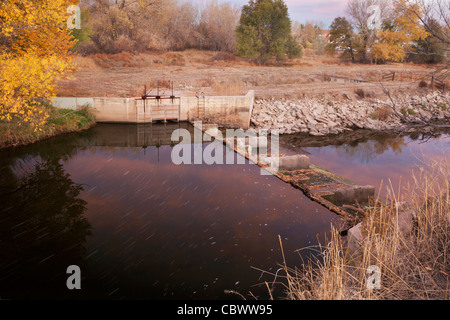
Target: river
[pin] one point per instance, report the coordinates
(110, 201)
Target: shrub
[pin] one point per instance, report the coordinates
(411, 111)
(405, 111)
(442, 106)
(382, 113)
(423, 84)
(176, 59)
(224, 56)
(360, 93)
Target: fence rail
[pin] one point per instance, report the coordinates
(389, 76)
(438, 84)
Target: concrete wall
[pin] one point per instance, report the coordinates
(228, 111)
(72, 103)
(122, 110)
(233, 111)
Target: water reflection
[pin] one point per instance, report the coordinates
(368, 151)
(130, 135)
(379, 159)
(42, 227)
(158, 231)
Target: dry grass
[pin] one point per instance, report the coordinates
(175, 59)
(362, 94)
(414, 264)
(382, 113)
(119, 75)
(229, 88)
(86, 63)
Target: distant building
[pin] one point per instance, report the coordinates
(325, 34)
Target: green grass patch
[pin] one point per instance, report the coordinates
(405, 111)
(60, 121)
(442, 106)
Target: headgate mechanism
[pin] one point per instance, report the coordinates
(154, 107)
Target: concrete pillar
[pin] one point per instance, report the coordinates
(362, 194)
(297, 162)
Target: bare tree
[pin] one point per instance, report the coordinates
(430, 11)
(140, 25)
(129, 25)
(217, 28)
(182, 27)
(358, 13)
(435, 17)
(306, 34)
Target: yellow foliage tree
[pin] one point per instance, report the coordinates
(394, 41)
(35, 43)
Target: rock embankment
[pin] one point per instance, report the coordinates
(320, 117)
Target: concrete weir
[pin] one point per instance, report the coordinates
(333, 192)
(337, 194)
(233, 111)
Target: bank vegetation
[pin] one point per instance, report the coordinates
(406, 239)
(17, 133)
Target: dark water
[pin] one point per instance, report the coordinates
(110, 201)
(384, 160)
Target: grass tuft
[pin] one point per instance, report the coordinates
(413, 258)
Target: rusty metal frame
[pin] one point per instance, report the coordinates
(158, 98)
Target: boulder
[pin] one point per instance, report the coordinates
(291, 163)
(310, 119)
(354, 236)
(353, 194)
(316, 133)
(406, 221)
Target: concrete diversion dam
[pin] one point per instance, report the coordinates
(111, 201)
(322, 186)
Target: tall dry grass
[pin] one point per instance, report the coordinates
(228, 87)
(413, 259)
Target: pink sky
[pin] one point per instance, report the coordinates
(316, 10)
(307, 10)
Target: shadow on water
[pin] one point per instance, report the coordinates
(42, 224)
(111, 201)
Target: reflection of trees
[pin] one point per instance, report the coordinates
(42, 228)
(432, 133)
(370, 149)
(362, 144)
